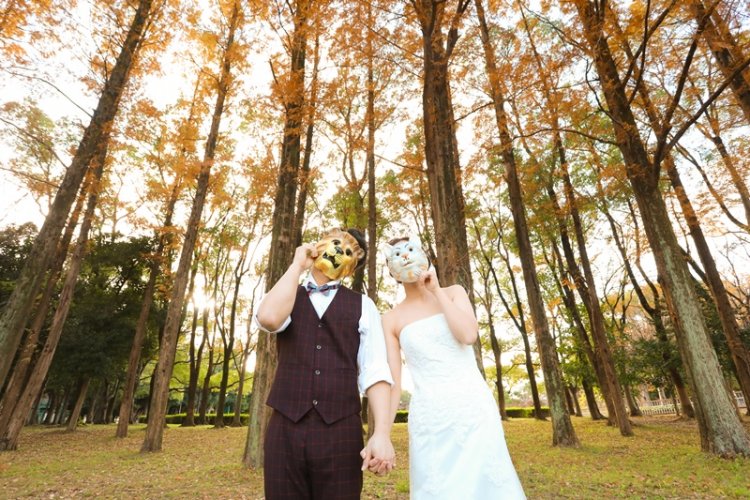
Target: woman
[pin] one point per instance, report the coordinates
(456, 444)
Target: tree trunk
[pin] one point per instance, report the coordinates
(206, 387)
(588, 391)
(83, 388)
(61, 408)
(584, 342)
(34, 417)
(441, 150)
(160, 396)
(585, 283)
(726, 51)
(632, 405)
(654, 312)
(110, 406)
(282, 241)
(304, 174)
(372, 209)
(237, 420)
(721, 430)
(576, 403)
(563, 433)
(598, 353)
(95, 138)
(518, 319)
(739, 353)
(131, 377)
(9, 435)
(194, 360)
(51, 405)
(496, 352)
(569, 399)
(24, 364)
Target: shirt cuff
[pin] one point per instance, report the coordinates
(372, 376)
(264, 329)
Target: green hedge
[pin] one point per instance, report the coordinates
(513, 412)
(177, 418)
(518, 412)
(402, 416)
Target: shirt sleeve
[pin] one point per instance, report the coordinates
(371, 357)
(264, 329)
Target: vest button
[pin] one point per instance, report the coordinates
(315, 402)
(320, 325)
(319, 347)
(317, 372)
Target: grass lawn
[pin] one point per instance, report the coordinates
(663, 460)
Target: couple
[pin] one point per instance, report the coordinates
(332, 346)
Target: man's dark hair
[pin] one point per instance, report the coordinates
(362, 244)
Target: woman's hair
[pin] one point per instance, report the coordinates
(396, 240)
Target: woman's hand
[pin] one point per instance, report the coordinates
(429, 280)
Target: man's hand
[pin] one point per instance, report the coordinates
(304, 256)
(378, 456)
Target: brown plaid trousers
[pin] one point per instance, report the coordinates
(315, 435)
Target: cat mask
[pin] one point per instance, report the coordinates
(339, 254)
(406, 260)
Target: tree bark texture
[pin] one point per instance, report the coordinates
(739, 353)
(83, 389)
(726, 51)
(441, 148)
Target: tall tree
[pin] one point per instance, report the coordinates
(9, 435)
(563, 433)
(740, 353)
(721, 430)
(440, 32)
(160, 394)
(584, 281)
(15, 314)
(282, 240)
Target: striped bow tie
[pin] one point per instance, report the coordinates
(324, 289)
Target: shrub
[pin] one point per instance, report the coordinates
(518, 412)
(177, 418)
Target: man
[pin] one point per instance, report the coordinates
(331, 347)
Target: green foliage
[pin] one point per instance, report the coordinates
(516, 412)
(402, 416)
(99, 330)
(177, 418)
(15, 244)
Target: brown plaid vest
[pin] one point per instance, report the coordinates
(318, 359)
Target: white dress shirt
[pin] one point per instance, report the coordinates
(372, 360)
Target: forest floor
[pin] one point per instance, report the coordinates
(663, 460)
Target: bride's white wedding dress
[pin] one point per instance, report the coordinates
(457, 447)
